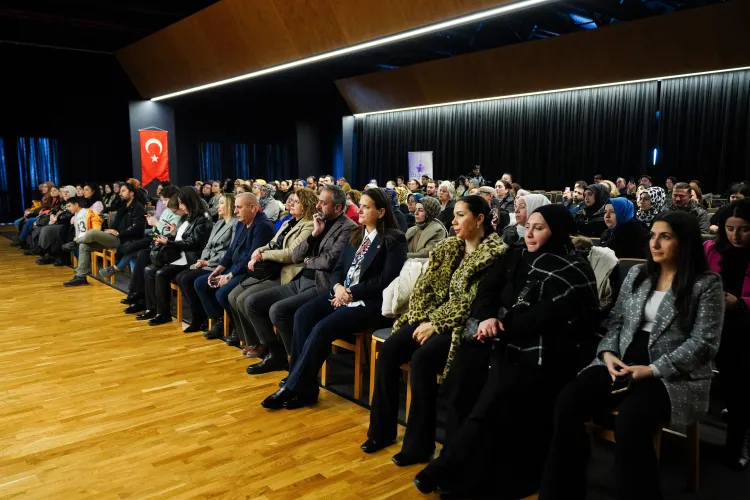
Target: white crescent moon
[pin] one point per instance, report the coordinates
(154, 141)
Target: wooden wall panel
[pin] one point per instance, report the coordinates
(701, 39)
(234, 37)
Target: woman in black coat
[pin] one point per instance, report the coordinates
(590, 219)
(183, 250)
(626, 236)
(369, 262)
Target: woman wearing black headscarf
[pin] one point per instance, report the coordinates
(548, 300)
(590, 220)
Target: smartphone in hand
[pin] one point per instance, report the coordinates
(622, 383)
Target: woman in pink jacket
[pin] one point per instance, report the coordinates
(729, 255)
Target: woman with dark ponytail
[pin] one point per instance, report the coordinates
(427, 333)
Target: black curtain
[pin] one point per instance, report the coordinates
(704, 129)
(546, 141)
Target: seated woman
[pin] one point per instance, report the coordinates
(590, 219)
(352, 204)
(31, 238)
(729, 256)
(625, 235)
(26, 223)
(268, 205)
(411, 207)
(525, 206)
(372, 259)
(651, 201)
(193, 231)
(548, 303)
(438, 311)
(270, 266)
(56, 233)
(427, 232)
(218, 242)
(653, 365)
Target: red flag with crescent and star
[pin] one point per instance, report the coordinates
(154, 156)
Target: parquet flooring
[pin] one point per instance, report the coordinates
(96, 405)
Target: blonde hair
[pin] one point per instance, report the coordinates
(309, 201)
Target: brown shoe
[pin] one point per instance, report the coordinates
(255, 351)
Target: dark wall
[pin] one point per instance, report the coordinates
(144, 114)
(79, 98)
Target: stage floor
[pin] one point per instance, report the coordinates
(96, 405)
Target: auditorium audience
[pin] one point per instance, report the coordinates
(253, 231)
(370, 260)
(525, 205)
(625, 235)
(549, 301)
(651, 202)
(25, 223)
(590, 219)
(574, 200)
(682, 201)
(270, 266)
(170, 256)
(669, 185)
(446, 195)
(427, 231)
(505, 197)
(729, 256)
(319, 254)
(654, 365)
(220, 239)
(206, 191)
(438, 310)
(55, 233)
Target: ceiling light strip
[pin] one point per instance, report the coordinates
(543, 92)
(477, 16)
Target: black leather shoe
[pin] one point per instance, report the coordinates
(233, 340)
(70, 246)
(282, 382)
(132, 298)
(276, 400)
(45, 260)
(135, 308)
(160, 319)
(404, 460)
(147, 314)
(59, 263)
(192, 328)
(424, 483)
(371, 446)
(216, 331)
(33, 251)
(298, 402)
(77, 281)
(271, 363)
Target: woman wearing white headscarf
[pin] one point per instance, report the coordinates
(525, 206)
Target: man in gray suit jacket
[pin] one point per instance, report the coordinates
(275, 307)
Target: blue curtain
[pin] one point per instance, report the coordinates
(4, 194)
(210, 160)
(241, 162)
(37, 163)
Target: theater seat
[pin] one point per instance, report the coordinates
(108, 259)
(358, 347)
(179, 301)
(623, 268)
(378, 337)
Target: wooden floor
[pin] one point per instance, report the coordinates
(96, 405)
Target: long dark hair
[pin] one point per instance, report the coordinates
(478, 206)
(691, 260)
(96, 196)
(739, 209)
(387, 224)
(192, 202)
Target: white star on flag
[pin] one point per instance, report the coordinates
(154, 158)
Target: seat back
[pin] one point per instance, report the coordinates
(623, 268)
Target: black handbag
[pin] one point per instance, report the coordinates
(161, 255)
(265, 271)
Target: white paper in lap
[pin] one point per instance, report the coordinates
(420, 163)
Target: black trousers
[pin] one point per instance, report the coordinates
(138, 281)
(158, 281)
(732, 362)
(642, 409)
(427, 361)
(499, 449)
(316, 325)
(186, 281)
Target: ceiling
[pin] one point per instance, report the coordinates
(89, 25)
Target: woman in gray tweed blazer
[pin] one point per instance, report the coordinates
(661, 339)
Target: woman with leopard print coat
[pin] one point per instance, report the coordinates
(427, 334)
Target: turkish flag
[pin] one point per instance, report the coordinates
(154, 156)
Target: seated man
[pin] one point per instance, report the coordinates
(85, 221)
(682, 201)
(253, 230)
(129, 223)
(277, 306)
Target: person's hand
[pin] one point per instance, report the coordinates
(566, 195)
(731, 301)
(494, 220)
(714, 229)
(423, 332)
(639, 372)
(488, 329)
(214, 274)
(615, 365)
(223, 280)
(201, 263)
(341, 295)
(170, 228)
(112, 232)
(319, 224)
(152, 221)
(161, 240)
(53, 219)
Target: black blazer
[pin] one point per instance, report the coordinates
(400, 220)
(629, 241)
(194, 238)
(381, 265)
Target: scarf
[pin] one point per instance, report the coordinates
(623, 210)
(658, 199)
(417, 197)
(393, 195)
(266, 195)
(562, 225)
(533, 202)
(432, 210)
(601, 195)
